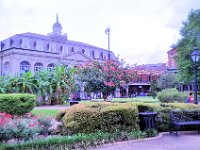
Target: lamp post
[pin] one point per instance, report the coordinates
(107, 31)
(195, 55)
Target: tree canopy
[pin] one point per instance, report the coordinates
(105, 77)
(190, 33)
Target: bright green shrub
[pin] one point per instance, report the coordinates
(81, 119)
(87, 118)
(121, 117)
(171, 95)
(17, 104)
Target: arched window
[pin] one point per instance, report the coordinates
(72, 49)
(50, 67)
(20, 42)
(37, 66)
(2, 45)
(93, 55)
(61, 49)
(109, 56)
(83, 51)
(34, 45)
(24, 66)
(11, 42)
(101, 56)
(7, 68)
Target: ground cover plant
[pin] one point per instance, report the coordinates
(79, 141)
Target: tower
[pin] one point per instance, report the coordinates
(57, 27)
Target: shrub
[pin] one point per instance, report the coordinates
(23, 127)
(121, 117)
(171, 95)
(17, 104)
(88, 118)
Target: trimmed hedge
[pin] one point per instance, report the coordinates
(17, 104)
(172, 95)
(108, 117)
(94, 116)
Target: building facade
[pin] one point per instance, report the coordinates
(171, 64)
(146, 73)
(30, 52)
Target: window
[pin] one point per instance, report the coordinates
(11, 42)
(72, 49)
(34, 45)
(24, 66)
(101, 56)
(20, 42)
(50, 67)
(83, 51)
(61, 49)
(6, 68)
(93, 56)
(37, 66)
(109, 56)
(2, 45)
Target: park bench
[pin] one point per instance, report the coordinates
(183, 118)
(73, 102)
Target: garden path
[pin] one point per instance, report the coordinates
(60, 107)
(184, 141)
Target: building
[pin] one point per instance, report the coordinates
(31, 51)
(145, 74)
(171, 64)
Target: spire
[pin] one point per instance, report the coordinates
(57, 28)
(57, 17)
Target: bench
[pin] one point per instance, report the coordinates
(71, 103)
(183, 118)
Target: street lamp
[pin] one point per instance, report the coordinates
(195, 55)
(107, 31)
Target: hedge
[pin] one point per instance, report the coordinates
(17, 104)
(108, 117)
(172, 95)
(94, 116)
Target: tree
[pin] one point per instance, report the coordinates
(167, 80)
(190, 33)
(105, 77)
(154, 88)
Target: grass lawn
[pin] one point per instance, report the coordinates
(145, 99)
(45, 112)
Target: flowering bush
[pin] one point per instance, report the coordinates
(23, 127)
(105, 77)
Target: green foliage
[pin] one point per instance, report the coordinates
(78, 141)
(87, 118)
(22, 128)
(104, 77)
(171, 95)
(154, 88)
(55, 84)
(167, 80)
(190, 39)
(17, 104)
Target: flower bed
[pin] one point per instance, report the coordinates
(23, 128)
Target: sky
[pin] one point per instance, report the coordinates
(142, 31)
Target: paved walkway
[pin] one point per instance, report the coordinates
(184, 141)
(60, 107)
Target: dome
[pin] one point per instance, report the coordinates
(57, 25)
